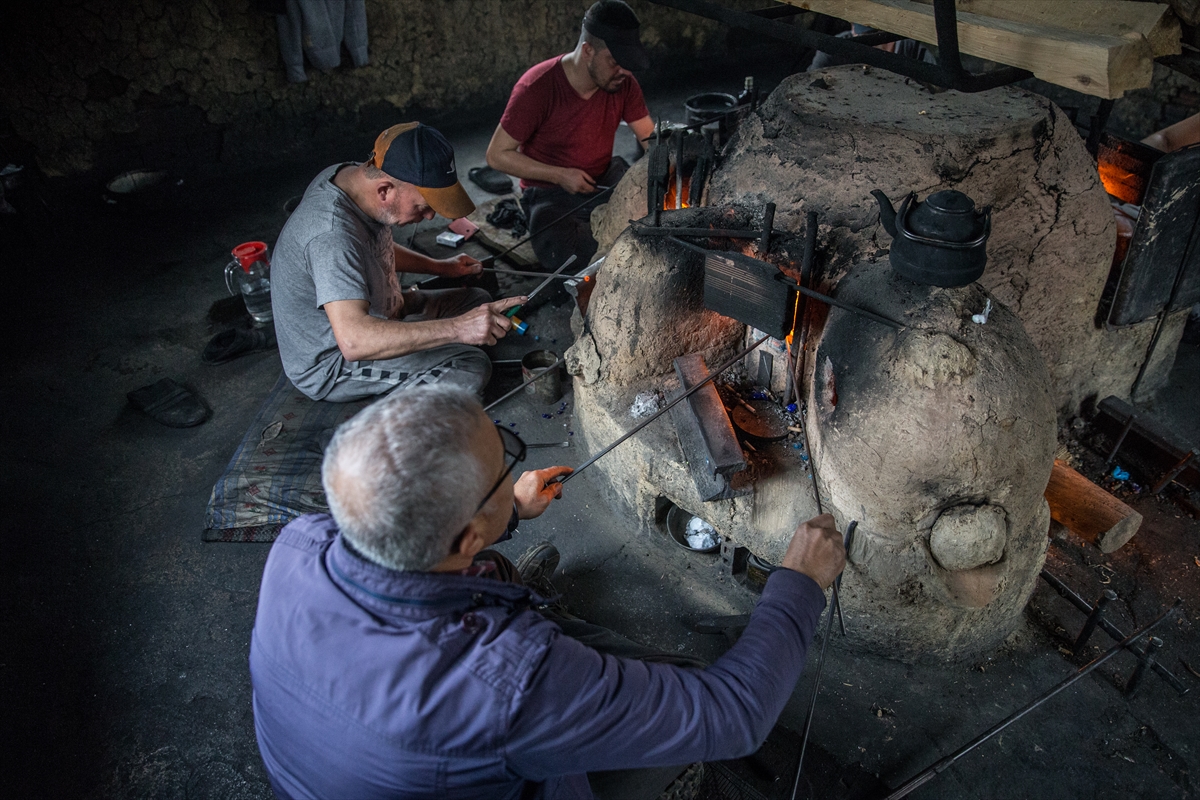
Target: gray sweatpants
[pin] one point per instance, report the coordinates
(455, 364)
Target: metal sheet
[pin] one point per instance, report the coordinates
(1165, 240)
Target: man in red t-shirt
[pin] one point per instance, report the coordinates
(557, 132)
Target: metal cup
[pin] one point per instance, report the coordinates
(547, 389)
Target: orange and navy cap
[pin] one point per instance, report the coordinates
(420, 155)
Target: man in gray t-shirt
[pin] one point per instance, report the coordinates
(346, 330)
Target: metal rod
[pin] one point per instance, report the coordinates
(532, 445)
(945, 23)
(719, 233)
(862, 312)
(536, 376)
(1144, 663)
(1121, 438)
(764, 243)
(931, 772)
(1089, 626)
(545, 283)
(713, 374)
(812, 703)
(1109, 628)
(524, 274)
(1170, 474)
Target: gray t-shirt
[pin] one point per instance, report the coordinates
(328, 250)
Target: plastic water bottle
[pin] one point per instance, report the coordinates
(249, 274)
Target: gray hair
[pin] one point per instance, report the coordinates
(401, 478)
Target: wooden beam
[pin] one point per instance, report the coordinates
(1101, 65)
(1100, 17)
(1088, 511)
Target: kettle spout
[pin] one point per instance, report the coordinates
(887, 214)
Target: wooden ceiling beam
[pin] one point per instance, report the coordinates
(1099, 47)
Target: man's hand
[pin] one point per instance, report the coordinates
(461, 265)
(816, 550)
(536, 489)
(575, 181)
(486, 324)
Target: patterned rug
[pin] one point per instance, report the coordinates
(275, 473)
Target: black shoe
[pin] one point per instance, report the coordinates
(538, 564)
(535, 568)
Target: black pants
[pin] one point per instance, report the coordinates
(571, 235)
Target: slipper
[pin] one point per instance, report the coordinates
(170, 404)
(228, 345)
(490, 180)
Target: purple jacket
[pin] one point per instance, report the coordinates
(374, 683)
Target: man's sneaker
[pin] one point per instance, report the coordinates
(536, 566)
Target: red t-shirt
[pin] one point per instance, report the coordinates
(558, 127)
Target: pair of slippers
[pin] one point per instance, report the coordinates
(170, 403)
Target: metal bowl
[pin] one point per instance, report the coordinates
(677, 522)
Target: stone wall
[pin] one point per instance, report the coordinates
(107, 85)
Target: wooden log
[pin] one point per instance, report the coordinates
(1095, 64)
(1088, 511)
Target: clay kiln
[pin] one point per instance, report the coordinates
(939, 438)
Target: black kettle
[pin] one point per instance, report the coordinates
(941, 242)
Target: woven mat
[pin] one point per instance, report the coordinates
(275, 473)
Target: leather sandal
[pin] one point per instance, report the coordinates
(170, 403)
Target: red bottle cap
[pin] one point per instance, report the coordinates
(249, 252)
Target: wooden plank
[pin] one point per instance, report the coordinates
(1090, 512)
(1099, 65)
(1101, 17)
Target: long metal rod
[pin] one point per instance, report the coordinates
(571, 260)
(1109, 628)
(711, 375)
(932, 771)
(536, 376)
(812, 703)
(525, 274)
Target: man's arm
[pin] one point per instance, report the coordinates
(453, 267)
(643, 128)
(362, 337)
(623, 713)
(502, 154)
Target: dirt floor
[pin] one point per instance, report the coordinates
(126, 637)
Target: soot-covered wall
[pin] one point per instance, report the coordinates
(101, 86)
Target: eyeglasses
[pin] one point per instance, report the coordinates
(514, 453)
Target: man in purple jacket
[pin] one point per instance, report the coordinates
(393, 656)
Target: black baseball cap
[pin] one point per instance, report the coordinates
(420, 155)
(615, 23)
